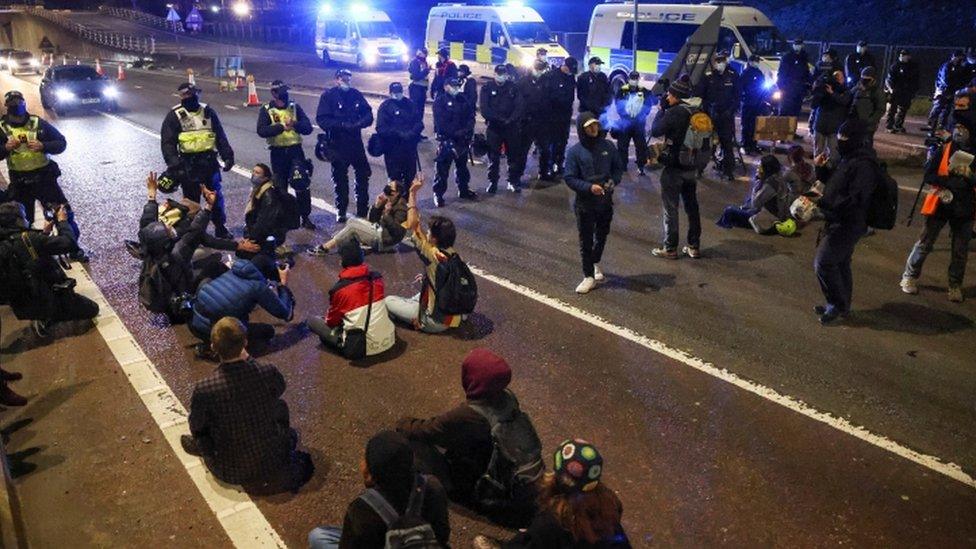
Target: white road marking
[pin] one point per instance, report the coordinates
(231, 107)
(932, 463)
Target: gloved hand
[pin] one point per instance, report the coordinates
(228, 164)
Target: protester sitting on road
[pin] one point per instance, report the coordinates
(384, 226)
(769, 193)
(265, 212)
(953, 195)
(32, 281)
(391, 484)
(236, 293)
(434, 247)
(238, 420)
(576, 509)
(593, 171)
(355, 301)
(457, 446)
(799, 176)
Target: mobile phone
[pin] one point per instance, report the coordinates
(23, 138)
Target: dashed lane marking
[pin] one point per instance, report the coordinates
(231, 107)
(932, 463)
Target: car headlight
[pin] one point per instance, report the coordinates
(64, 95)
(35, 63)
(110, 92)
(401, 49)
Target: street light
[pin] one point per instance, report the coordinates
(242, 9)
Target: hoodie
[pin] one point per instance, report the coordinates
(484, 374)
(671, 123)
(236, 293)
(592, 160)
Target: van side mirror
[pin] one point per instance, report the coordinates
(737, 51)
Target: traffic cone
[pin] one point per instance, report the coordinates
(64, 59)
(239, 84)
(252, 93)
(189, 77)
(98, 67)
(121, 75)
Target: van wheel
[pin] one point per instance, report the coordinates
(326, 58)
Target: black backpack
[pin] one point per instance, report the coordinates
(883, 205)
(457, 290)
(15, 274)
(409, 531)
(516, 457)
(290, 216)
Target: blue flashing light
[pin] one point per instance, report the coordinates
(325, 8)
(516, 4)
(769, 84)
(359, 9)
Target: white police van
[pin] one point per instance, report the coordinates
(360, 35)
(483, 36)
(663, 30)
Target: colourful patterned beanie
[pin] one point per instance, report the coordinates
(578, 465)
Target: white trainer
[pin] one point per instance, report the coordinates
(908, 285)
(585, 286)
(598, 274)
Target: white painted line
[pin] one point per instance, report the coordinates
(932, 463)
(231, 107)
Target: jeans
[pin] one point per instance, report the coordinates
(407, 310)
(734, 216)
(680, 185)
(832, 265)
(941, 109)
(461, 172)
(826, 143)
(369, 234)
(961, 230)
(330, 337)
(282, 159)
(324, 537)
(593, 225)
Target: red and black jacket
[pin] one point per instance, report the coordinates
(349, 298)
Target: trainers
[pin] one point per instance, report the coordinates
(308, 225)
(467, 195)
(908, 285)
(439, 201)
(10, 376)
(40, 327)
(190, 445)
(955, 294)
(691, 252)
(492, 188)
(585, 286)
(598, 274)
(665, 253)
(134, 249)
(318, 251)
(514, 188)
(79, 255)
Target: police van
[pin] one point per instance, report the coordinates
(663, 30)
(483, 36)
(359, 35)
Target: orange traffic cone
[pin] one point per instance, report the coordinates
(98, 67)
(252, 93)
(239, 84)
(121, 75)
(189, 77)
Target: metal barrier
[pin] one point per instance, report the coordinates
(141, 17)
(117, 40)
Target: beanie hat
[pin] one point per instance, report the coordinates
(680, 89)
(770, 165)
(869, 72)
(483, 374)
(577, 465)
(390, 460)
(351, 253)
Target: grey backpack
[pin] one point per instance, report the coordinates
(409, 531)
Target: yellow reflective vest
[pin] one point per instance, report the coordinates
(286, 138)
(196, 130)
(23, 159)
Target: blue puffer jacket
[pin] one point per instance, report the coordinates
(236, 293)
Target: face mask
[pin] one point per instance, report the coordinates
(845, 147)
(452, 91)
(754, 64)
(860, 49)
(960, 136)
(634, 83)
(720, 67)
(343, 85)
(501, 78)
(191, 103)
(903, 58)
(17, 109)
(971, 60)
(397, 96)
(825, 58)
(283, 97)
(257, 179)
(594, 68)
(797, 48)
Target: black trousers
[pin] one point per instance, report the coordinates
(461, 172)
(832, 264)
(792, 101)
(749, 115)
(534, 133)
(556, 139)
(633, 132)
(593, 225)
(511, 140)
(418, 96)
(725, 130)
(896, 113)
(281, 162)
(202, 169)
(354, 158)
(401, 164)
(42, 186)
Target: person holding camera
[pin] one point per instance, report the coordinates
(454, 126)
(593, 169)
(384, 226)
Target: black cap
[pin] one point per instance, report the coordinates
(279, 86)
(186, 86)
(351, 253)
(634, 75)
(12, 94)
(540, 65)
(595, 60)
(444, 52)
(343, 73)
(903, 51)
(862, 43)
(501, 69)
(464, 70)
(572, 63)
(396, 87)
(755, 57)
(797, 41)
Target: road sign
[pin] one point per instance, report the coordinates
(194, 21)
(173, 17)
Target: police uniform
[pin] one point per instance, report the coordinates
(633, 104)
(343, 114)
(560, 93)
(419, 72)
(720, 96)
(399, 127)
(753, 104)
(502, 106)
(533, 93)
(286, 145)
(453, 125)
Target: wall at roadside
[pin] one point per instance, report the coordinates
(25, 32)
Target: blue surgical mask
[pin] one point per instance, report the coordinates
(501, 78)
(797, 48)
(451, 91)
(344, 85)
(720, 67)
(397, 96)
(634, 83)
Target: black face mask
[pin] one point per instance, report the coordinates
(846, 147)
(17, 109)
(282, 96)
(191, 103)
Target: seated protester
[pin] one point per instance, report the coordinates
(390, 480)
(236, 293)
(356, 297)
(434, 247)
(799, 176)
(171, 266)
(576, 509)
(384, 227)
(768, 194)
(264, 212)
(32, 281)
(238, 420)
(457, 446)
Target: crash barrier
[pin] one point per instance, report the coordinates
(141, 17)
(111, 39)
(290, 35)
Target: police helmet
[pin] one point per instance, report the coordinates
(168, 182)
(464, 70)
(278, 86)
(343, 73)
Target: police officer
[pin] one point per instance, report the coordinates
(398, 127)
(560, 93)
(343, 113)
(533, 97)
(633, 104)
(282, 122)
(26, 143)
(469, 88)
(720, 94)
(445, 70)
(857, 61)
(953, 75)
(752, 83)
(793, 79)
(191, 138)
(902, 84)
(454, 125)
(829, 64)
(593, 89)
(419, 72)
(501, 106)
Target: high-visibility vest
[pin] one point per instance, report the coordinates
(23, 159)
(286, 138)
(196, 130)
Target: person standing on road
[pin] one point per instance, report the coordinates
(560, 93)
(633, 103)
(902, 84)
(454, 126)
(282, 123)
(343, 113)
(593, 89)
(869, 101)
(26, 143)
(445, 70)
(399, 129)
(720, 94)
(953, 75)
(679, 182)
(594, 167)
(830, 103)
(753, 86)
(857, 61)
(419, 72)
(954, 185)
(191, 138)
(531, 87)
(469, 89)
(501, 106)
(829, 63)
(793, 79)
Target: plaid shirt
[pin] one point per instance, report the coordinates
(240, 421)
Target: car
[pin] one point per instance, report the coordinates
(23, 61)
(4, 55)
(68, 87)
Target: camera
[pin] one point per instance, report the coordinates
(388, 190)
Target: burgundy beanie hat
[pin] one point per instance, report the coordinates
(483, 373)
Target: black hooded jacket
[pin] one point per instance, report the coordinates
(592, 161)
(848, 189)
(35, 300)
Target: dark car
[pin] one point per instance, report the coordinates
(23, 61)
(70, 87)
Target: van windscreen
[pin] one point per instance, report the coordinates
(528, 32)
(764, 41)
(666, 37)
(377, 29)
